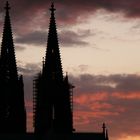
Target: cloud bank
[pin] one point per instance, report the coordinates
(114, 99)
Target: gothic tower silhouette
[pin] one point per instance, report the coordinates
(53, 101)
(12, 109)
(52, 92)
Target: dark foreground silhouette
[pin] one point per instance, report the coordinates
(74, 136)
(52, 96)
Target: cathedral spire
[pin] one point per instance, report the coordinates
(12, 109)
(52, 9)
(8, 60)
(7, 7)
(53, 67)
(52, 94)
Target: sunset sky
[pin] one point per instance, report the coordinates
(100, 49)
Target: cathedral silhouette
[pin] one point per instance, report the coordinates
(52, 97)
(12, 109)
(52, 94)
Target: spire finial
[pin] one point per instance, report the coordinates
(52, 9)
(7, 7)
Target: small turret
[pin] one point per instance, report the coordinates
(104, 128)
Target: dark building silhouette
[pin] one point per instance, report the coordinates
(52, 92)
(12, 110)
(53, 96)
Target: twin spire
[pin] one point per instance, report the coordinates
(51, 89)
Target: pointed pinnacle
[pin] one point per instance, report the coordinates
(52, 9)
(103, 126)
(7, 7)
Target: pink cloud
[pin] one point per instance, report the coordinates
(128, 96)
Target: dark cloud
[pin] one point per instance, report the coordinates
(71, 38)
(35, 38)
(31, 18)
(67, 8)
(33, 14)
(114, 99)
(67, 38)
(112, 83)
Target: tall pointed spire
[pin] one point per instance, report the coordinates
(8, 61)
(52, 104)
(53, 67)
(12, 109)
